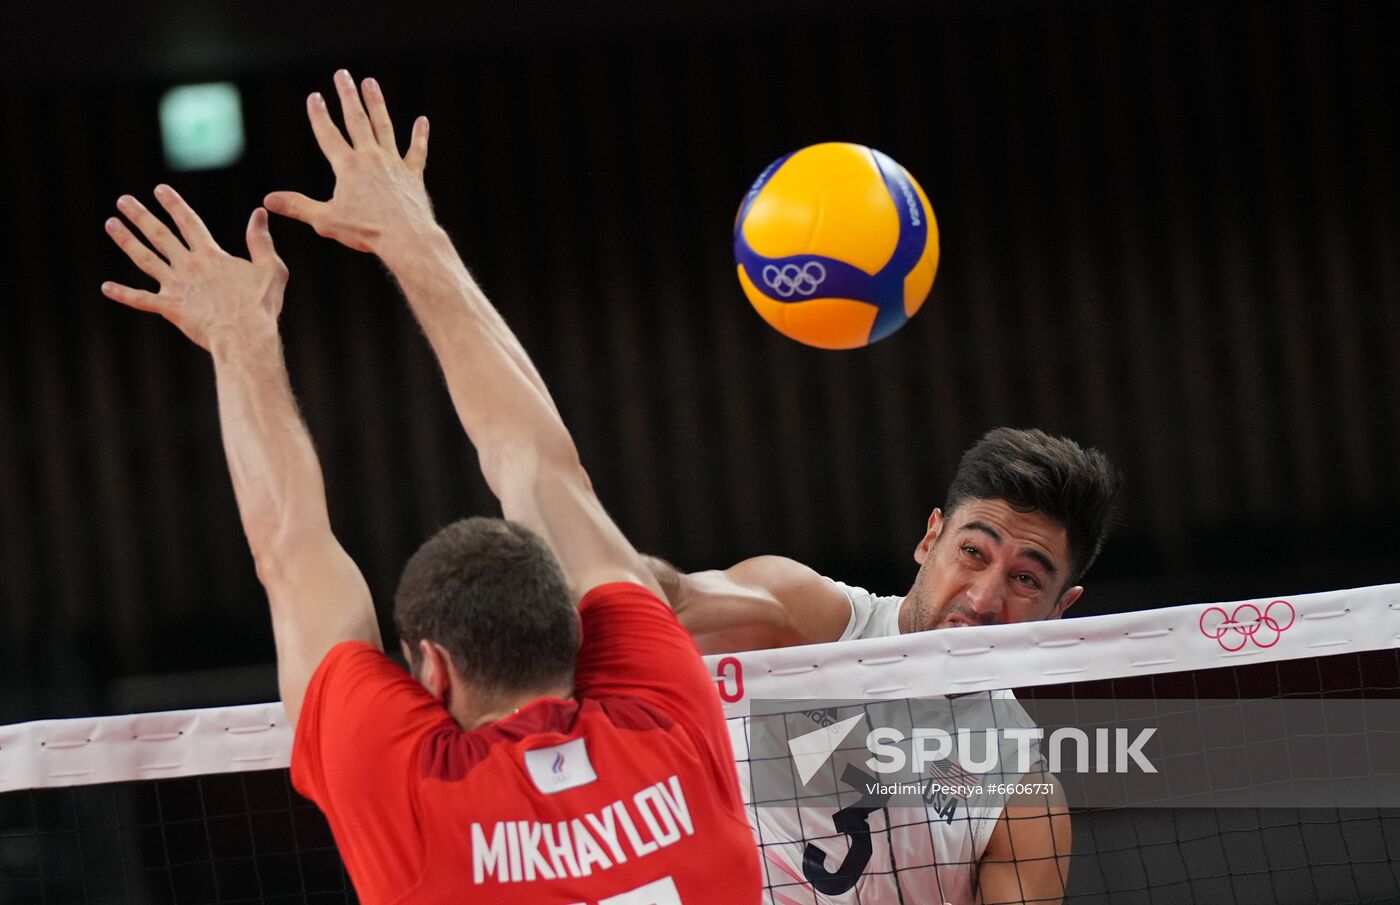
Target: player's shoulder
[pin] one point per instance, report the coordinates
(871, 615)
(617, 610)
(356, 674)
(362, 715)
(354, 654)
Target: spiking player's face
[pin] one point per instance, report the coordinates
(988, 564)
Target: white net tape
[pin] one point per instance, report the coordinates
(130, 747)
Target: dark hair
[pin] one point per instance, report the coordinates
(1032, 470)
(492, 594)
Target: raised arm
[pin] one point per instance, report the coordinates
(229, 307)
(763, 602)
(527, 456)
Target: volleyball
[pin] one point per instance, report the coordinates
(836, 245)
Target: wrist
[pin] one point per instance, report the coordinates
(403, 248)
(239, 338)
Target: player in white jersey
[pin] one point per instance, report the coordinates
(866, 851)
(1024, 517)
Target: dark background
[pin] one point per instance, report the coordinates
(1168, 230)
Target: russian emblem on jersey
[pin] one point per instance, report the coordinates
(836, 245)
(560, 767)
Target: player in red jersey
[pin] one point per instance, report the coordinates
(516, 764)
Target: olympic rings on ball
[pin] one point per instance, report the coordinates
(792, 279)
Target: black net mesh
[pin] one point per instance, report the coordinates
(228, 838)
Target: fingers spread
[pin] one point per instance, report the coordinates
(356, 120)
(328, 136)
(148, 261)
(132, 298)
(379, 116)
(155, 232)
(417, 156)
(192, 229)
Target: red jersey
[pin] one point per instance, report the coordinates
(625, 795)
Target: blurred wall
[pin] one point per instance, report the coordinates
(1169, 230)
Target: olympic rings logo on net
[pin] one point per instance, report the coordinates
(1246, 624)
(794, 279)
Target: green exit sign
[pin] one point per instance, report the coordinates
(202, 126)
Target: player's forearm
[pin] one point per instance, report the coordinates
(526, 453)
(276, 476)
(496, 390)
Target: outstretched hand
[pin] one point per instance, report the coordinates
(203, 289)
(377, 192)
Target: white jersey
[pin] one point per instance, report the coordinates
(866, 853)
(871, 616)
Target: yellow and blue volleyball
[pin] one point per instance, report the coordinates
(836, 245)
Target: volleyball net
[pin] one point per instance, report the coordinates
(1270, 726)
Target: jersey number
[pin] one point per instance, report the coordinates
(854, 823)
(659, 892)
